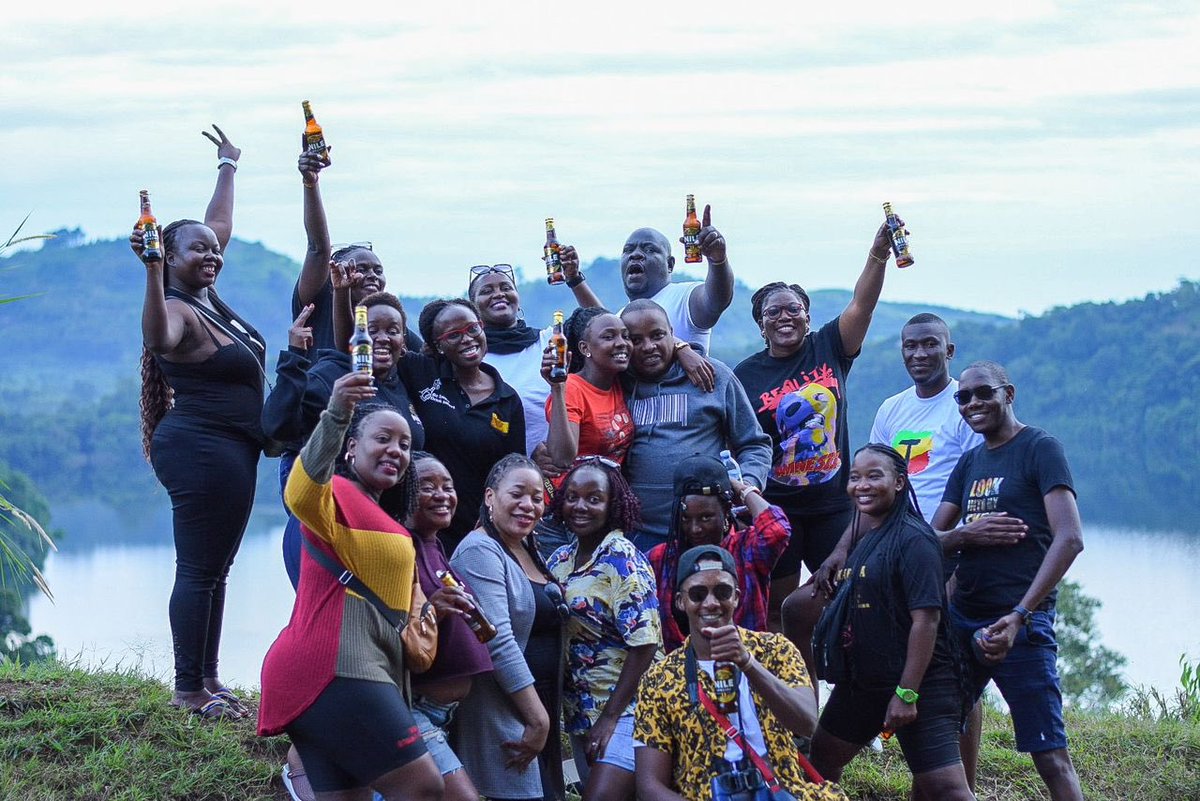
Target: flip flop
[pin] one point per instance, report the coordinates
(213, 709)
(225, 694)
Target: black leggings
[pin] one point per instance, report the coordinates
(210, 477)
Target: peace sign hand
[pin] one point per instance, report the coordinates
(300, 334)
(225, 148)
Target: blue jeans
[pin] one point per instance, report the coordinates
(291, 530)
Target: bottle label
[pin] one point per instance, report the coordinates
(725, 681)
(691, 239)
(151, 238)
(553, 260)
(316, 143)
(362, 359)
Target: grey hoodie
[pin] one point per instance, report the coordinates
(672, 420)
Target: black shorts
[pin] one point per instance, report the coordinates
(814, 537)
(355, 732)
(930, 742)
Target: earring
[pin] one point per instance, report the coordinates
(489, 512)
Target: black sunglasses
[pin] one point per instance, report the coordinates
(554, 593)
(480, 270)
(600, 460)
(984, 393)
(698, 592)
(773, 312)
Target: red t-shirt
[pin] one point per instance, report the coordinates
(605, 425)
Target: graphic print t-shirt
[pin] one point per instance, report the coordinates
(930, 434)
(605, 425)
(800, 402)
(1012, 478)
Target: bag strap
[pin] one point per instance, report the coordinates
(347, 579)
(228, 331)
(734, 733)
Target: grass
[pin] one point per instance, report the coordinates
(72, 735)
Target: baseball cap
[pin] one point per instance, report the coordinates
(689, 562)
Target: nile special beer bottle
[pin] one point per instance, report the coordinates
(691, 233)
(483, 628)
(550, 253)
(558, 341)
(314, 137)
(151, 237)
(725, 680)
(900, 247)
(360, 343)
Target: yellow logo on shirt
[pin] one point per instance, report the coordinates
(498, 424)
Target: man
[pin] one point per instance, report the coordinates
(922, 423)
(674, 419)
(1009, 513)
(693, 307)
(682, 745)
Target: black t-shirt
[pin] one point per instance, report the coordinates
(321, 323)
(800, 402)
(895, 571)
(1013, 478)
(467, 438)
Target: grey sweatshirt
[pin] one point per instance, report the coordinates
(672, 420)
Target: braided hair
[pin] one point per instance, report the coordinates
(902, 508)
(677, 544)
(157, 397)
(624, 506)
(383, 298)
(429, 314)
(576, 328)
(507, 464)
(397, 501)
(759, 298)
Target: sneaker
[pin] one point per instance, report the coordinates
(877, 745)
(296, 780)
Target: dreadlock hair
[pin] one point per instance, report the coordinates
(576, 328)
(382, 298)
(157, 397)
(759, 298)
(428, 314)
(397, 501)
(624, 506)
(341, 253)
(677, 544)
(507, 464)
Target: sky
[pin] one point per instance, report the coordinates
(1042, 153)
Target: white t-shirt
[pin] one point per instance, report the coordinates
(674, 299)
(523, 372)
(931, 434)
(745, 719)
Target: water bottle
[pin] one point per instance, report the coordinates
(731, 466)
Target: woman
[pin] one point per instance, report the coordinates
(799, 382)
(586, 410)
(461, 658)
(904, 677)
(472, 418)
(703, 515)
(332, 679)
(202, 393)
(302, 389)
(613, 632)
(514, 348)
(510, 719)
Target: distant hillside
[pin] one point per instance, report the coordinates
(1118, 383)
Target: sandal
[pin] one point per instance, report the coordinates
(213, 709)
(225, 694)
(296, 782)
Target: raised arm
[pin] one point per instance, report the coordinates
(219, 214)
(707, 302)
(856, 317)
(788, 695)
(562, 439)
(576, 280)
(315, 272)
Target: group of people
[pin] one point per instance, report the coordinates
(598, 524)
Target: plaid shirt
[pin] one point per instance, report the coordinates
(755, 551)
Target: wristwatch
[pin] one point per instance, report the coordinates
(1024, 613)
(576, 281)
(906, 695)
(681, 344)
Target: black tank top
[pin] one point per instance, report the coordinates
(226, 389)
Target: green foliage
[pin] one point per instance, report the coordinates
(1090, 672)
(1183, 704)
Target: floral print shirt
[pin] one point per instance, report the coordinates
(613, 608)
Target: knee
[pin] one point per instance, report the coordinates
(800, 612)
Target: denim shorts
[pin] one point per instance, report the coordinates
(619, 752)
(1027, 678)
(432, 719)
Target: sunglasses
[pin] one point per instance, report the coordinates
(600, 460)
(773, 312)
(554, 593)
(698, 592)
(454, 336)
(480, 270)
(984, 393)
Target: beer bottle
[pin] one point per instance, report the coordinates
(691, 233)
(151, 236)
(314, 137)
(725, 679)
(360, 343)
(900, 247)
(483, 628)
(554, 270)
(558, 341)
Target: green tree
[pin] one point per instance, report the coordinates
(1091, 672)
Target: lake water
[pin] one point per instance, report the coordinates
(111, 591)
